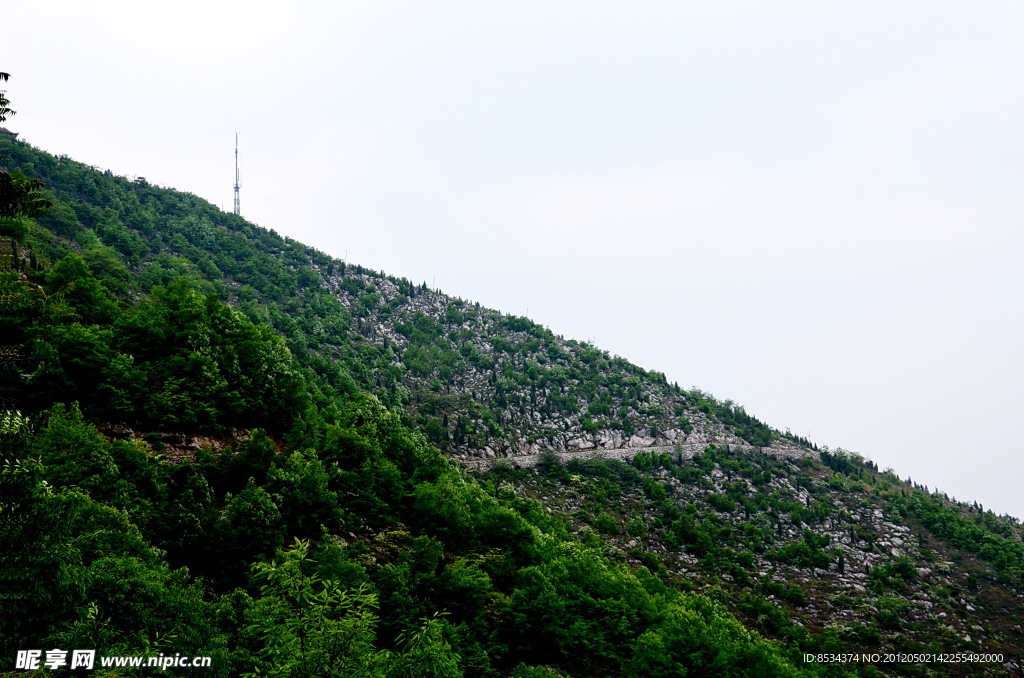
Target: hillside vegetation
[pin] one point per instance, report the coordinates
(218, 441)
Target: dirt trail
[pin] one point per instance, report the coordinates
(685, 451)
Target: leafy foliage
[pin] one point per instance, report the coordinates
(313, 527)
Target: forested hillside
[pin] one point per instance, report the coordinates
(218, 441)
(476, 381)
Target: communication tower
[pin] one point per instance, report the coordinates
(238, 208)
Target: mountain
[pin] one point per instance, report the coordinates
(238, 446)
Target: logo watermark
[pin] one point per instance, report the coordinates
(88, 659)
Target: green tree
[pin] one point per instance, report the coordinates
(72, 279)
(305, 626)
(5, 109)
(250, 525)
(20, 197)
(425, 653)
(74, 454)
(302, 487)
(76, 571)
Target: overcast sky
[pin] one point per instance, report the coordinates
(811, 208)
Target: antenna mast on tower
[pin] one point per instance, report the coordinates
(238, 208)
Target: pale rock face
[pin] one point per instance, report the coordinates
(528, 448)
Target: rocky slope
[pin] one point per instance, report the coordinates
(793, 546)
(812, 548)
(485, 384)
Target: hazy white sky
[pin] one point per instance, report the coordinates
(812, 208)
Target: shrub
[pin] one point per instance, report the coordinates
(606, 524)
